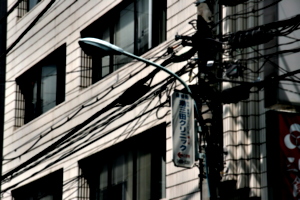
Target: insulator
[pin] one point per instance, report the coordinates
(231, 2)
(248, 38)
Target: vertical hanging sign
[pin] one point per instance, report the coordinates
(183, 130)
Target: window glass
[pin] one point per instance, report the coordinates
(25, 6)
(143, 26)
(32, 3)
(48, 87)
(43, 86)
(144, 175)
(35, 99)
(105, 59)
(122, 171)
(103, 184)
(124, 35)
(133, 27)
(128, 171)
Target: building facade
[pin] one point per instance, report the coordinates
(257, 160)
(81, 123)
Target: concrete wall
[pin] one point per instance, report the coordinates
(288, 92)
(62, 24)
(244, 122)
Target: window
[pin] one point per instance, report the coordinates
(134, 169)
(46, 188)
(42, 87)
(25, 6)
(136, 26)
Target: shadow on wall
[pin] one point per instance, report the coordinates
(246, 165)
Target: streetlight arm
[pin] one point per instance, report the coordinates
(161, 67)
(109, 48)
(166, 70)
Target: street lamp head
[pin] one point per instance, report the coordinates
(94, 46)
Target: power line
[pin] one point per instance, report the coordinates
(87, 129)
(10, 11)
(70, 117)
(27, 29)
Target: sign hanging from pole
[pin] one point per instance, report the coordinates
(183, 130)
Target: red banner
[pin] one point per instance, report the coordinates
(289, 135)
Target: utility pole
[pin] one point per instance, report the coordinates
(212, 147)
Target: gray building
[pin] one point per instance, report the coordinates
(80, 124)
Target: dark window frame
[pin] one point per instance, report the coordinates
(158, 35)
(25, 90)
(25, 6)
(153, 141)
(51, 184)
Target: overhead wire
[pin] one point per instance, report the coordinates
(101, 137)
(79, 110)
(47, 158)
(241, 52)
(98, 127)
(90, 69)
(69, 118)
(10, 11)
(27, 29)
(131, 107)
(242, 13)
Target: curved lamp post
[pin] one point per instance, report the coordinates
(94, 46)
(107, 48)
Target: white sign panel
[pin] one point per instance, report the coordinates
(183, 130)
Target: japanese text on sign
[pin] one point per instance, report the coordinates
(183, 130)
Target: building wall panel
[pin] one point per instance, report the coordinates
(243, 123)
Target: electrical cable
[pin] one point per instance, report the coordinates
(142, 99)
(81, 148)
(97, 128)
(101, 136)
(27, 29)
(288, 51)
(75, 128)
(36, 157)
(245, 13)
(10, 10)
(81, 107)
(270, 61)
